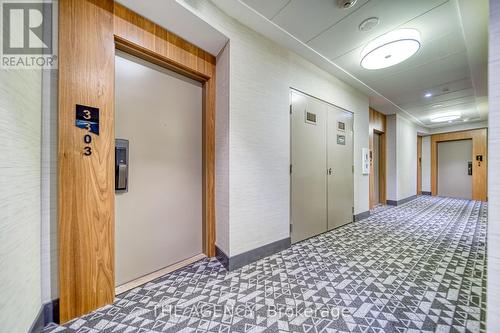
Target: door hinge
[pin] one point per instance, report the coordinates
(352, 210)
(290, 108)
(290, 228)
(290, 169)
(353, 169)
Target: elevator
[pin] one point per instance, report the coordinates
(158, 179)
(455, 169)
(322, 180)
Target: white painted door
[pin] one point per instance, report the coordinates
(340, 167)
(308, 159)
(159, 220)
(453, 178)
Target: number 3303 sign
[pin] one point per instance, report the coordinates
(87, 118)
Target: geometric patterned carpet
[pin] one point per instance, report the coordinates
(418, 267)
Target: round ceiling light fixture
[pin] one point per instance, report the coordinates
(390, 49)
(443, 117)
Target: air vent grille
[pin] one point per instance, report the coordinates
(310, 118)
(341, 126)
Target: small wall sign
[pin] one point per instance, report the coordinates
(341, 139)
(365, 161)
(87, 118)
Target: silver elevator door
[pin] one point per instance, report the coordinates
(159, 219)
(340, 167)
(322, 186)
(453, 178)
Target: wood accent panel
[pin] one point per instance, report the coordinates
(152, 40)
(89, 31)
(480, 169)
(377, 124)
(419, 165)
(209, 167)
(86, 183)
(377, 121)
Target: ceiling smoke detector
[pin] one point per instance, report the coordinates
(345, 4)
(369, 24)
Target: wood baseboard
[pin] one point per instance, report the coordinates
(147, 278)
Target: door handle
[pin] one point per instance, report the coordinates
(329, 171)
(122, 177)
(121, 165)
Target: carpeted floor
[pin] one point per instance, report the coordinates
(419, 267)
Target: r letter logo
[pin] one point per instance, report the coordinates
(27, 38)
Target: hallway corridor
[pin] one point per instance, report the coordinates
(417, 267)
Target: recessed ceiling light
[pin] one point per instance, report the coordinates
(390, 49)
(428, 95)
(448, 116)
(437, 105)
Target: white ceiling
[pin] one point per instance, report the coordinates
(451, 64)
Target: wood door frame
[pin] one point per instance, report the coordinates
(377, 125)
(419, 164)
(479, 139)
(89, 33)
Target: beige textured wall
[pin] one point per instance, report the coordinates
(391, 158)
(261, 74)
(406, 154)
(20, 137)
(222, 151)
(493, 289)
(426, 164)
(49, 245)
(401, 158)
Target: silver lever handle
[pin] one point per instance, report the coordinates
(122, 176)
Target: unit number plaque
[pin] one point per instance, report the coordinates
(87, 118)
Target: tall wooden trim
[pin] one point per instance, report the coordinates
(88, 30)
(480, 169)
(377, 125)
(86, 185)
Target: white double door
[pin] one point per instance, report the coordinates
(322, 181)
